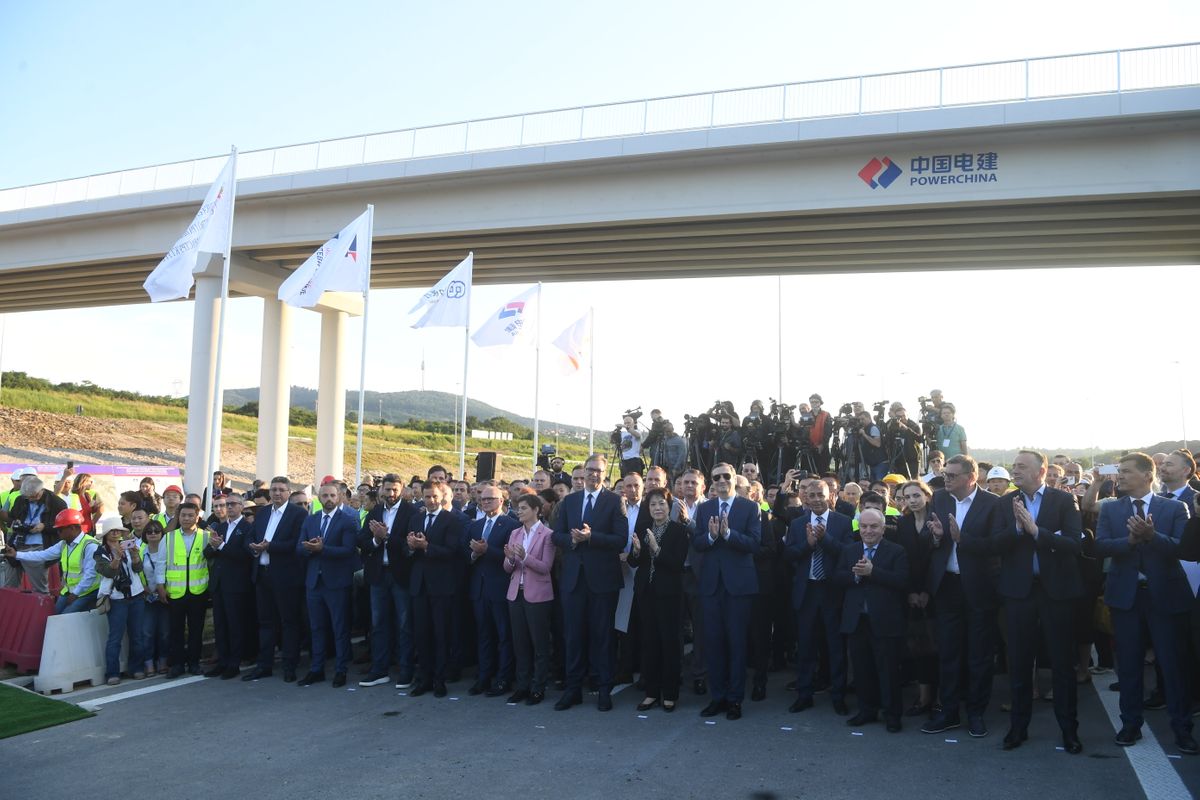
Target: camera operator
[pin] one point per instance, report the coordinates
(951, 438)
(32, 528)
(820, 433)
(653, 441)
(673, 451)
(872, 446)
(756, 416)
(630, 445)
(729, 441)
(903, 442)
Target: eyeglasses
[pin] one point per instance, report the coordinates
(596, 470)
(722, 476)
(489, 499)
(947, 474)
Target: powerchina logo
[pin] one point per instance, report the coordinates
(936, 170)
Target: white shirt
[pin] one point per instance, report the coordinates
(631, 515)
(728, 501)
(526, 541)
(1146, 511)
(389, 517)
(276, 517)
(233, 523)
(961, 507)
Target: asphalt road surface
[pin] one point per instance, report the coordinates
(206, 738)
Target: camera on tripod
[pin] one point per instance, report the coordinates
(846, 420)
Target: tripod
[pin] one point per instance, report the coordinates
(851, 464)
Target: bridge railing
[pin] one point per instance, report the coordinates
(1025, 80)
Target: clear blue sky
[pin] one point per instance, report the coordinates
(88, 88)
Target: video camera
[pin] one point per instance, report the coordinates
(846, 420)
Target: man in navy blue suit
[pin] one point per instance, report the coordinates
(1038, 531)
(278, 580)
(728, 534)
(435, 542)
(590, 531)
(229, 566)
(383, 545)
(815, 540)
(1146, 590)
(329, 548)
(488, 584)
(1177, 469)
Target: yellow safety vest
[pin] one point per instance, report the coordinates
(70, 561)
(187, 570)
(315, 506)
(8, 498)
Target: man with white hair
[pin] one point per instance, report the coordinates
(31, 527)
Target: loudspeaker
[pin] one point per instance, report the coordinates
(487, 465)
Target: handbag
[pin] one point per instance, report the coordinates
(103, 605)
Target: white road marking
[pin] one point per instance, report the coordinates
(1154, 772)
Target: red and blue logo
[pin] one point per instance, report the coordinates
(880, 172)
(512, 309)
(352, 253)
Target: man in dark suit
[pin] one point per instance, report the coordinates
(328, 547)
(229, 566)
(962, 584)
(383, 545)
(1177, 469)
(488, 588)
(1146, 590)
(591, 531)
(278, 580)
(815, 540)
(1038, 531)
(435, 540)
(728, 534)
(874, 573)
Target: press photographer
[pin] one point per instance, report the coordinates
(627, 440)
(902, 440)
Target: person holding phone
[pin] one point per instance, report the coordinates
(119, 560)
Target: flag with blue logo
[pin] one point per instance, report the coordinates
(447, 304)
(340, 265)
(509, 323)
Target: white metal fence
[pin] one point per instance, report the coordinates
(974, 84)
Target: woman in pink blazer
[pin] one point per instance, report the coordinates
(528, 556)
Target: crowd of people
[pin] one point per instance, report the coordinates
(580, 582)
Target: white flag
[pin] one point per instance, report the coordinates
(509, 322)
(340, 265)
(576, 343)
(172, 278)
(449, 301)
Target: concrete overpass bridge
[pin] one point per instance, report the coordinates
(1079, 160)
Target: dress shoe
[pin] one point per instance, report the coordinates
(228, 674)
(759, 692)
(518, 696)
(1186, 744)
(339, 680)
(1014, 738)
(862, 718)
(215, 672)
(1128, 735)
(893, 725)
(176, 672)
(256, 673)
(734, 712)
(374, 679)
(646, 705)
(940, 724)
(1155, 702)
(420, 689)
(977, 727)
(840, 708)
(477, 688)
(1072, 744)
(918, 710)
(499, 689)
(714, 708)
(311, 678)
(604, 702)
(289, 676)
(569, 698)
(439, 689)
(534, 698)
(700, 686)
(800, 704)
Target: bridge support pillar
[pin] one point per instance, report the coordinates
(274, 394)
(331, 398)
(197, 470)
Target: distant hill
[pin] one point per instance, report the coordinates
(399, 407)
(1086, 456)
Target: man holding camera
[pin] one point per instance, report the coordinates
(630, 439)
(820, 433)
(31, 526)
(903, 438)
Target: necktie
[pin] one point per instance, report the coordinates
(487, 528)
(818, 558)
(587, 509)
(1140, 506)
(1166, 494)
(428, 522)
(324, 527)
(870, 554)
(724, 508)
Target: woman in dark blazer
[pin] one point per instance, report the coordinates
(916, 500)
(659, 552)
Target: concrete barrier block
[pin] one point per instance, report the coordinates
(72, 652)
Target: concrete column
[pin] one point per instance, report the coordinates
(331, 398)
(197, 470)
(274, 393)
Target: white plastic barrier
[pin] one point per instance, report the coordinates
(73, 652)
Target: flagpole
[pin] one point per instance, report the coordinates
(537, 372)
(591, 380)
(362, 371)
(214, 449)
(779, 330)
(462, 447)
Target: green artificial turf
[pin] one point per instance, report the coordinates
(22, 711)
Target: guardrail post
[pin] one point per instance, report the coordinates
(1118, 72)
(860, 85)
(941, 84)
(1027, 80)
